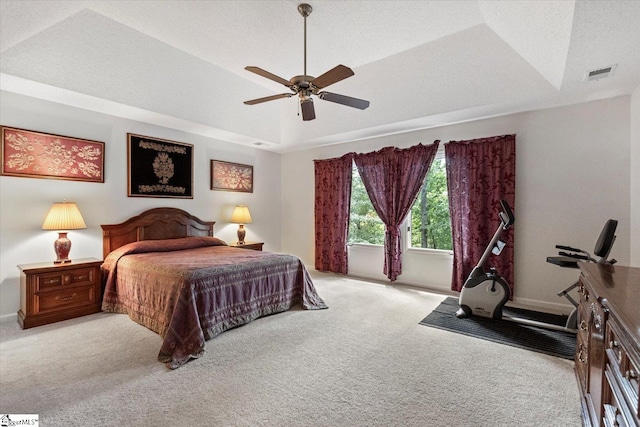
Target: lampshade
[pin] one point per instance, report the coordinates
(241, 215)
(61, 217)
(64, 216)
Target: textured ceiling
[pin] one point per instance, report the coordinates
(180, 64)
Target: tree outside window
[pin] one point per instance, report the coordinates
(430, 220)
(365, 226)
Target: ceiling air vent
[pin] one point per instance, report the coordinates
(600, 73)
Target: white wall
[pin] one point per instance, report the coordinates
(25, 201)
(635, 177)
(572, 174)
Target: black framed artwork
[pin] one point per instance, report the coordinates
(159, 167)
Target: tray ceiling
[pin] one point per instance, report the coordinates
(180, 64)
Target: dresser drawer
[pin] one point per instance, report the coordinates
(69, 298)
(624, 367)
(584, 318)
(582, 362)
(583, 292)
(614, 350)
(616, 413)
(50, 281)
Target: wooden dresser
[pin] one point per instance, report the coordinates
(52, 292)
(608, 345)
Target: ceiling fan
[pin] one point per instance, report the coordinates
(304, 86)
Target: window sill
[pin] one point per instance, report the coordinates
(421, 251)
(431, 252)
(364, 245)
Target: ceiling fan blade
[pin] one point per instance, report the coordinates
(334, 75)
(268, 98)
(344, 100)
(308, 112)
(259, 71)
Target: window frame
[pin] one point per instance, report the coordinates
(405, 237)
(406, 224)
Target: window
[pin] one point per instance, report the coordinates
(364, 224)
(430, 220)
(430, 224)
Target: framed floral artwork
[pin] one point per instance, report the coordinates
(226, 176)
(159, 167)
(31, 154)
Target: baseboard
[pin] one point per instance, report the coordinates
(526, 303)
(9, 318)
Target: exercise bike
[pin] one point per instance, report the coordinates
(485, 293)
(570, 259)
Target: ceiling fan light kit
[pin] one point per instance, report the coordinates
(304, 85)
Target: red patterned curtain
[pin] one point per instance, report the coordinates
(332, 207)
(392, 178)
(480, 173)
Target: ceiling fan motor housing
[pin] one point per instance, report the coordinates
(304, 9)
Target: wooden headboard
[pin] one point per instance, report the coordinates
(154, 224)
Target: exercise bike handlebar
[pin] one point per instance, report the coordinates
(568, 248)
(576, 256)
(506, 221)
(506, 216)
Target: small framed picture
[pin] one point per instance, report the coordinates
(159, 167)
(226, 176)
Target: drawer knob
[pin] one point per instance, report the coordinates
(69, 298)
(631, 375)
(583, 325)
(611, 415)
(597, 318)
(581, 356)
(598, 322)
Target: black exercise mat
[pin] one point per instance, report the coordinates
(555, 343)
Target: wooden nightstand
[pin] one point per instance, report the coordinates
(52, 292)
(256, 246)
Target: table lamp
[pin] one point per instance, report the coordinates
(63, 216)
(241, 215)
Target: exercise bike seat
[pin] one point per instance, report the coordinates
(563, 261)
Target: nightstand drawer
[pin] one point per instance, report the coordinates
(53, 301)
(80, 276)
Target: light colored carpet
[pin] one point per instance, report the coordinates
(363, 362)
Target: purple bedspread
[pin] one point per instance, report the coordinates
(190, 290)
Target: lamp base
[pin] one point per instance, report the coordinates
(241, 233)
(62, 246)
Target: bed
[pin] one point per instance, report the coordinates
(166, 270)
